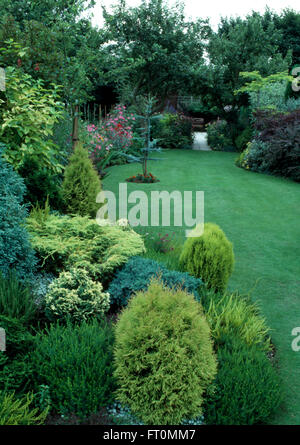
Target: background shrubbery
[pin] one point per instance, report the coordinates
(173, 131)
(276, 147)
(219, 136)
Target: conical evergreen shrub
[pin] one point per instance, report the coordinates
(81, 184)
(164, 359)
(209, 257)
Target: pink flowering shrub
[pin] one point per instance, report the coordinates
(115, 136)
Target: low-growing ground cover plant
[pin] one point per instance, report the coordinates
(163, 355)
(64, 242)
(163, 243)
(137, 273)
(209, 257)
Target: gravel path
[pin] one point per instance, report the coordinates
(200, 141)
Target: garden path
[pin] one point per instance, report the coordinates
(200, 141)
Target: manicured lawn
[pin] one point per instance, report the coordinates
(260, 214)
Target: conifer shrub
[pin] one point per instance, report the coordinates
(74, 295)
(16, 298)
(76, 363)
(64, 242)
(163, 355)
(247, 390)
(137, 273)
(19, 411)
(14, 363)
(81, 184)
(15, 249)
(209, 257)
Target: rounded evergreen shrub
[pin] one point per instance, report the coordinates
(76, 363)
(15, 249)
(81, 184)
(247, 387)
(74, 294)
(209, 257)
(163, 355)
(136, 275)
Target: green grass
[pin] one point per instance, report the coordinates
(260, 214)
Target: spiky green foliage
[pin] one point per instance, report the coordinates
(18, 411)
(73, 294)
(236, 316)
(16, 299)
(247, 388)
(81, 184)
(62, 242)
(209, 257)
(164, 355)
(14, 365)
(76, 363)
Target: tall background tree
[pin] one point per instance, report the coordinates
(152, 48)
(238, 45)
(63, 46)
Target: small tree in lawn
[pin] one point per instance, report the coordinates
(146, 115)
